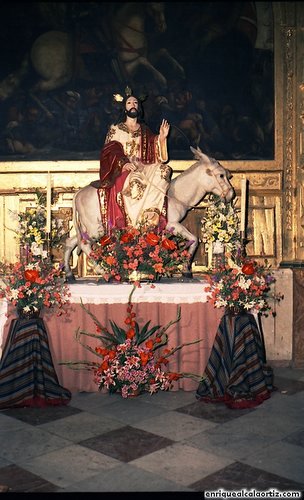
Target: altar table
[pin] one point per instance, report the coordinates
(157, 303)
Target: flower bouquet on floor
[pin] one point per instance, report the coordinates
(33, 286)
(131, 254)
(130, 358)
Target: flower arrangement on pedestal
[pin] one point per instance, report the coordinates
(130, 358)
(130, 254)
(220, 226)
(33, 285)
(242, 284)
(31, 231)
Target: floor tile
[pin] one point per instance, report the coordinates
(182, 464)
(171, 400)
(3, 462)
(88, 400)
(215, 412)
(29, 443)
(175, 425)
(281, 458)
(291, 373)
(284, 404)
(130, 411)
(81, 426)
(272, 426)
(288, 386)
(168, 442)
(296, 438)
(21, 480)
(69, 465)
(126, 443)
(233, 440)
(129, 478)
(11, 424)
(239, 475)
(38, 416)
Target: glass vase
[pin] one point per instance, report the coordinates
(218, 254)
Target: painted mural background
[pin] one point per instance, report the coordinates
(207, 67)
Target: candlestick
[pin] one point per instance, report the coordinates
(48, 204)
(243, 205)
(210, 255)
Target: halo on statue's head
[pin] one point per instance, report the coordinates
(128, 93)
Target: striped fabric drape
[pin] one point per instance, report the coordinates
(235, 373)
(27, 374)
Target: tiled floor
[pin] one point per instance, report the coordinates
(168, 442)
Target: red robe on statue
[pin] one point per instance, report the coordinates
(112, 159)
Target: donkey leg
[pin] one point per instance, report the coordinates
(70, 245)
(193, 243)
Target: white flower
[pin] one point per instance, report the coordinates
(14, 293)
(247, 306)
(243, 283)
(221, 303)
(31, 266)
(37, 249)
(221, 223)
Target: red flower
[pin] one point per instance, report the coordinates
(105, 240)
(104, 366)
(168, 244)
(152, 239)
(126, 237)
(130, 333)
(31, 275)
(248, 268)
(110, 260)
(144, 357)
(101, 350)
(149, 344)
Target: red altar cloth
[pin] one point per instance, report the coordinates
(199, 320)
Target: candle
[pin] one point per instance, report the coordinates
(48, 204)
(243, 204)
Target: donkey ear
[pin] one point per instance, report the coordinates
(196, 152)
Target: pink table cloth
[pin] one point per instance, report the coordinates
(199, 320)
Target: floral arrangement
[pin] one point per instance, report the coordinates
(33, 285)
(130, 358)
(242, 284)
(221, 223)
(130, 253)
(31, 231)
